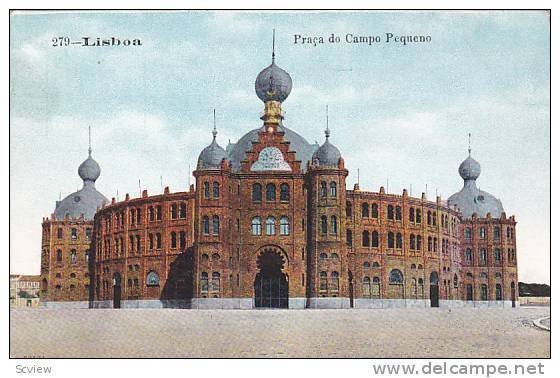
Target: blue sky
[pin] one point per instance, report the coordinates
(399, 113)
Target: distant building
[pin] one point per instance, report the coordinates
(271, 223)
(24, 290)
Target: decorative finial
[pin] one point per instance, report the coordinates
(469, 144)
(327, 130)
(89, 134)
(273, 43)
(214, 131)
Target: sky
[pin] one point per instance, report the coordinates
(399, 113)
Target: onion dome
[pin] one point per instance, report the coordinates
(328, 154)
(85, 201)
(211, 157)
(89, 170)
(471, 200)
(273, 83)
(469, 169)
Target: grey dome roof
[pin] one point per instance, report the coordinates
(89, 170)
(86, 200)
(469, 169)
(273, 83)
(328, 154)
(471, 199)
(237, 151)
(211, 157)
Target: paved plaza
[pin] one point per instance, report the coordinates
(400, 333)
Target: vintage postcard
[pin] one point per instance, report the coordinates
(280, 184)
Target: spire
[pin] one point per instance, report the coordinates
(89, 135)
(469, 144)
(327, 130)
(214, 131)
(273, 43)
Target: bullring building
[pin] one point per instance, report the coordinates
(270, 222)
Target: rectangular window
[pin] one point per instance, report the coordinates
(59, 233)
(88, 233)
(74, 234)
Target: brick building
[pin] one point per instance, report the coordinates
(271, 223)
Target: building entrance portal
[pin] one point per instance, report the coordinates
(116, 290)
(271, 283)
(434, 290)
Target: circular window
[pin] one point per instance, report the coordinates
(77, 198)
(479, 198)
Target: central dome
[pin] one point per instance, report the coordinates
(237, 151)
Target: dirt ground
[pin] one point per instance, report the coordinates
(398, 333)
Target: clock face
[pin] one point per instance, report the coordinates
(271, 159)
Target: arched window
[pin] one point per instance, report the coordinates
(334, 256)
(483, 292)
(204, 282)
(284, 226)
(348, 209)
(323, 281)
(182, 240)
(435, 245)
(323, 256)
(205, 225)
(215, 281)
(158, 213)
(455, 281)
(429, 244)
(429, 217)
(284, 192)
(366, 287)
(497, 255)
(390, 240)
(270, 225)
(151, 241)
(390, 212)
(256, 226)
(414, 287)
(482, 232)
(365, 239)
(151, 214)
(206, 190)
(498, 292)
(270, 192)
(468, 233)
(324, 225)
(365, 210)
(412, 242)
(411, 215)
(349, 240)
(334, 225)
(375, 239)
(257, 192)
(418, 216)
(173, 239)
(374, 211)
(375, 264)
(399, 240)
(183, 210)
(332, 187)
(413, 267)
(73, 256)
(174, 211)
(216, 190)
(152, 279)
(419, 243)
(395, 277)
(375, 287)
(158, 241)
(334, 281)
(215, 225)
(323, 191)
(398, 213)
(366, 265)
(482, 254)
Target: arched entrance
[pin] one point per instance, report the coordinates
(117, 290)
(512, 294)
(434, 290)
(351, 288)
(271, 283)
